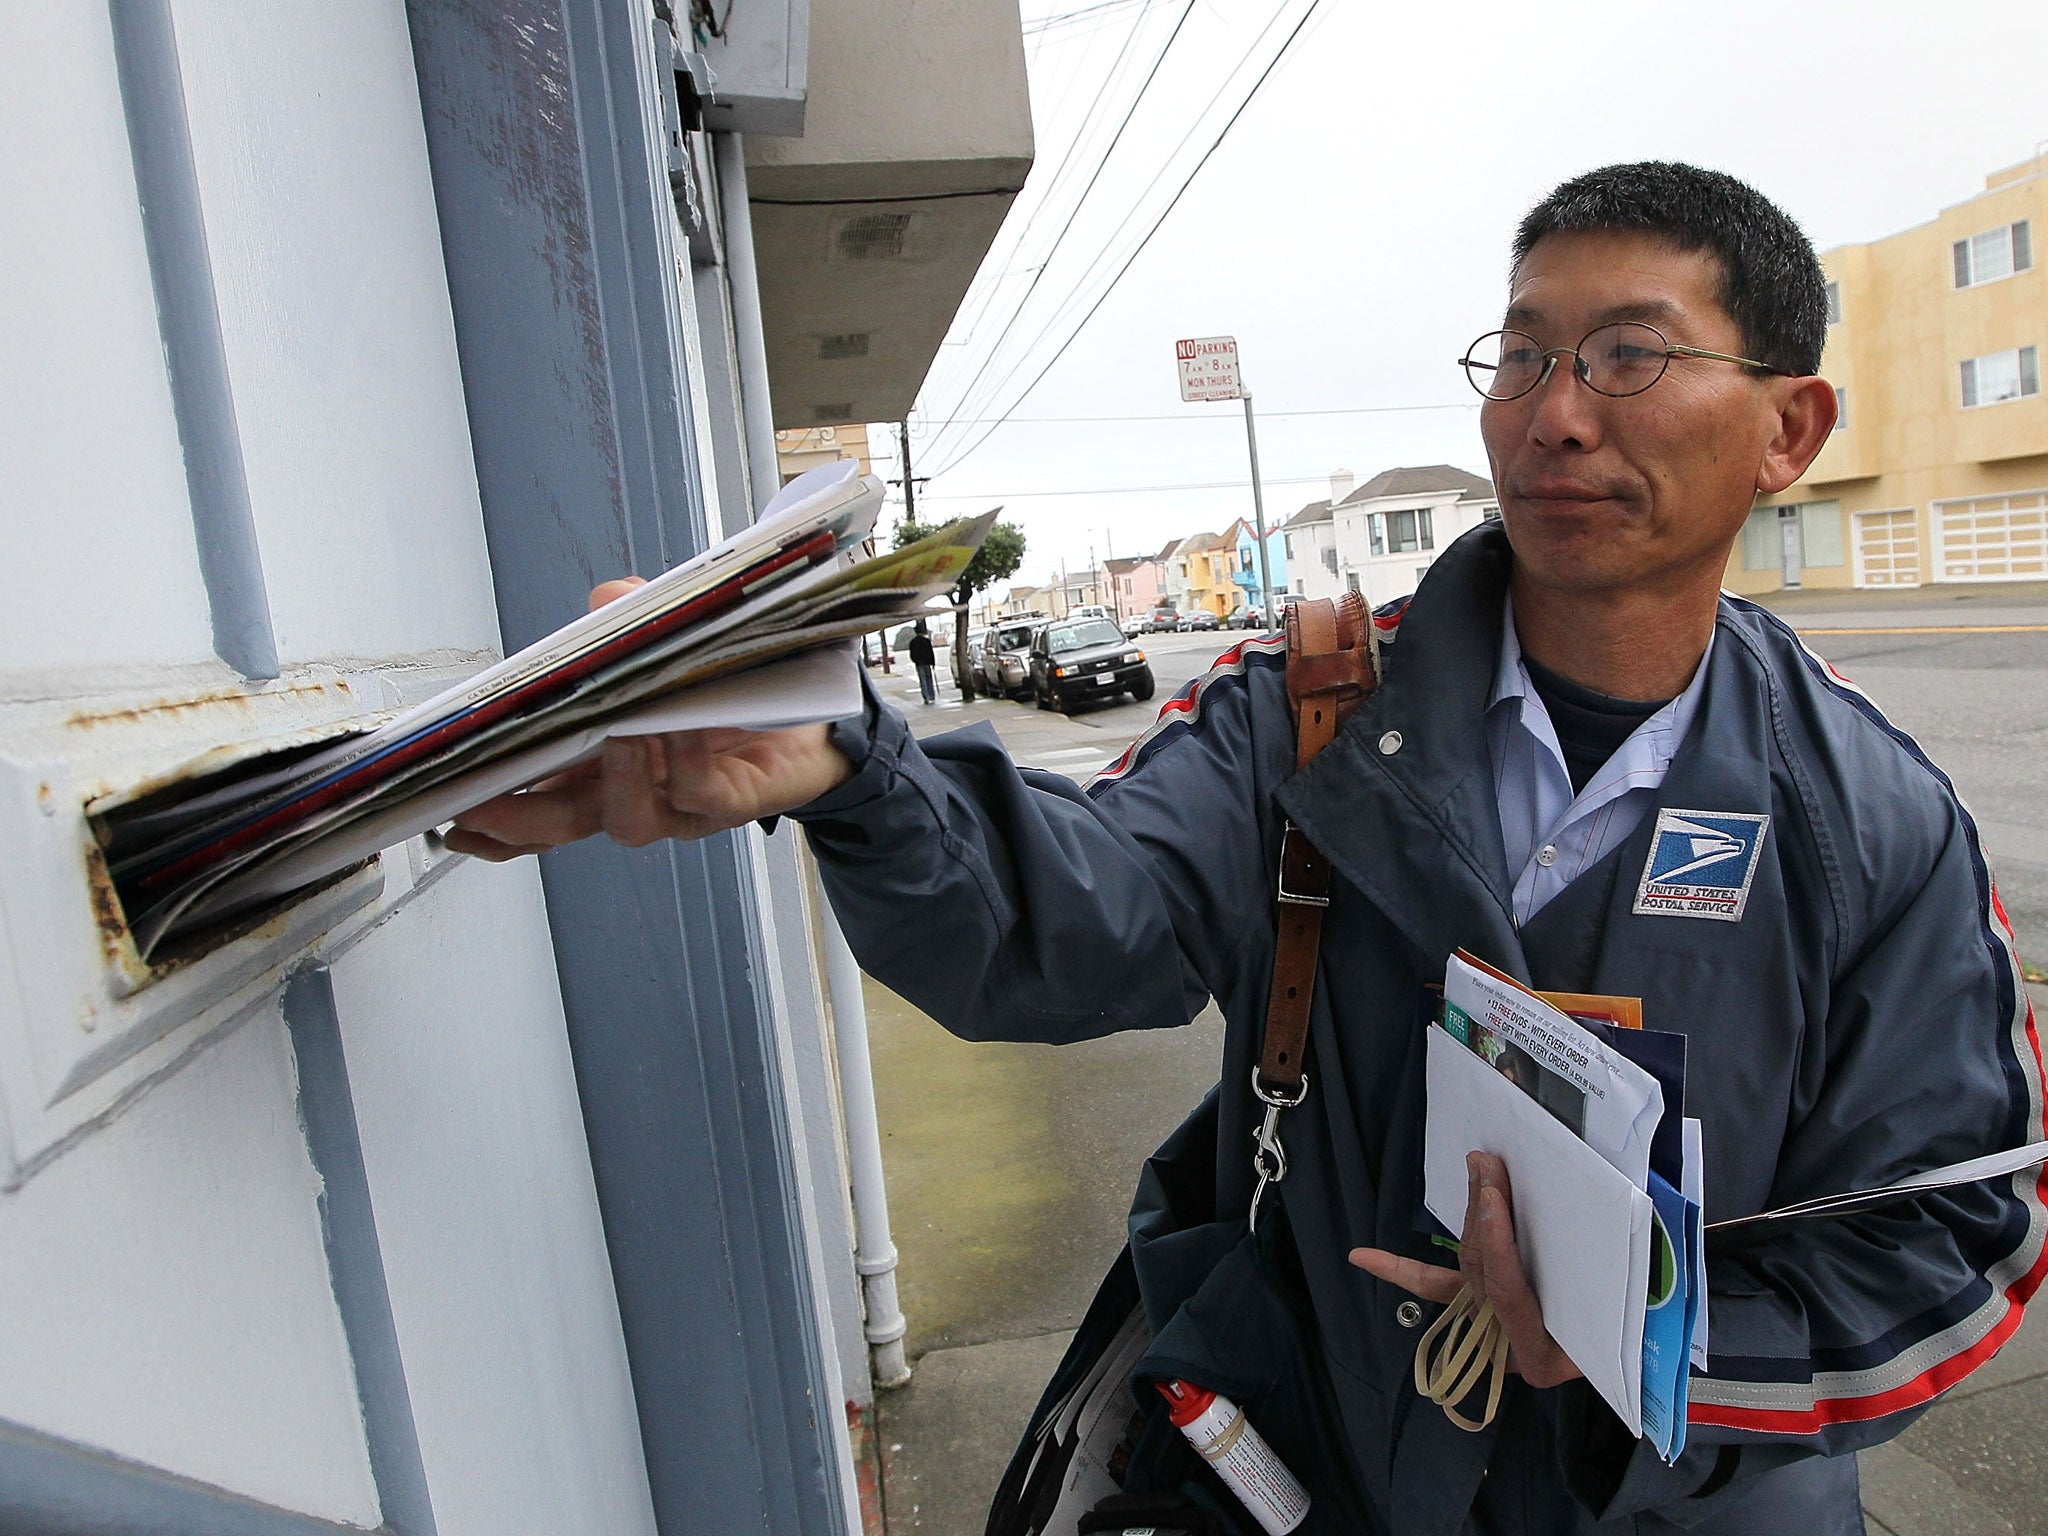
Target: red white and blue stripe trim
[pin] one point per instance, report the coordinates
(1924, 1356)
(1183, 713)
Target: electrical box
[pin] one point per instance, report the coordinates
(759, 53)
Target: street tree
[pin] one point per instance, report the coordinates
(999, 556)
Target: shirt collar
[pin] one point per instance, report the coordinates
(1659, 735)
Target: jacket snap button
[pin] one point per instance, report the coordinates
(1408, 1314)
(1390, 743)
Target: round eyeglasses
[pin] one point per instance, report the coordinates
(1616, 360)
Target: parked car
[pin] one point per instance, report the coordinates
(1201, 618)
(1077, 659)
(1245, 616)
(1088, 611)
(1137, 624)
(1163, 619)
(977, 642)
(1005, 665)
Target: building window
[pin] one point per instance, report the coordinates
(1297, 587)
(1287, 545)
(1834, 303)
(1994, 254)
(1841, 409)
(1351, 580)
(1408, 532)
(1330, 558)
(1998, 376)
(1376, 530)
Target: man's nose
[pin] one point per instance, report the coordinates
(1565, 410)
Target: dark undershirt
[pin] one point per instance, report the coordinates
(1589, 725)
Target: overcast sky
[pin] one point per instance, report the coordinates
(1351, 229)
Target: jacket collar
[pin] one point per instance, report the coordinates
(1402, 802)
(1416, 828)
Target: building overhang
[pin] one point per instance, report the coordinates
(869, 228)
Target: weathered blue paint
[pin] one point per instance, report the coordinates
(355, 1259)
(50, 1487)
(202, 397)
(561, 257)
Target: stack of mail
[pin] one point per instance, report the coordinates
(1605, 1173)
(731, 638)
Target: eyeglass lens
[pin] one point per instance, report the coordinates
(1621, 359)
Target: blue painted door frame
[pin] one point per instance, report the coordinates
(563, 277)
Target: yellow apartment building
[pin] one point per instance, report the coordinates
(1938, 471)
(1211, 559)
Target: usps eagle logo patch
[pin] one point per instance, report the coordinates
(1701, 864)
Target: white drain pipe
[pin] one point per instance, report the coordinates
(749, 331)
(874, 1253)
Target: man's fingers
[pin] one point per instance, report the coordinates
(535, 819)
(610, 591)
(1428, 1281)
(477, 846)
(634, 812)
(1490, 1223)
(1471, 1249)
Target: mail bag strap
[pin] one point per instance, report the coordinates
(1332, 666)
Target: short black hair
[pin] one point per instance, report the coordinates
(1771, 282)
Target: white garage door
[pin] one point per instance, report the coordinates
(1993, 538)
(1888, 548)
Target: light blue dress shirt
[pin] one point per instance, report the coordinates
(1551, 835)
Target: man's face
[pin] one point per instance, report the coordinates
(1600, 494)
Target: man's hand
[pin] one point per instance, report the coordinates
(1490, 1262)
(683, 784)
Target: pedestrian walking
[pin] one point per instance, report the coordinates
(922, 657)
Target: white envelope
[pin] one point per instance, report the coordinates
(1583, 1229)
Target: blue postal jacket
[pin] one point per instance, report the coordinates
(1862, 1020)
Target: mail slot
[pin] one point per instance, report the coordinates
(97, 1017)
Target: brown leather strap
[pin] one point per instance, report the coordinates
(1330, 670)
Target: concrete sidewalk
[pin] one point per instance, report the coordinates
(1976, 1465)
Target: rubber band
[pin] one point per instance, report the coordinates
(1474, 1347)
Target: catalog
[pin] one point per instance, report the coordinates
(214, 844)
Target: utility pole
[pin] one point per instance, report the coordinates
(909, 485)
(1116, 596)
(1251, 437)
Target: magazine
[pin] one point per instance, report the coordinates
(213, 843)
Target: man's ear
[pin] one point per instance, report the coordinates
(1806, 415)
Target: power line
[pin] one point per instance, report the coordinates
(1058, 175)
(1114, 490)
(1105, 253)
(1079, 203)
(1082, 13)
(1137, 251)
(1194, 415)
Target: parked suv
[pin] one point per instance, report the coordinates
(1005, 665)
(1086, 659)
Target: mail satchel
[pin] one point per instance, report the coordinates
(1197, 1284)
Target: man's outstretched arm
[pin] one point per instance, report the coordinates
(685, 784)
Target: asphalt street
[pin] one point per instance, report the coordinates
(1010, 1166)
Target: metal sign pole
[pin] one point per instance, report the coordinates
(1251, 437)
